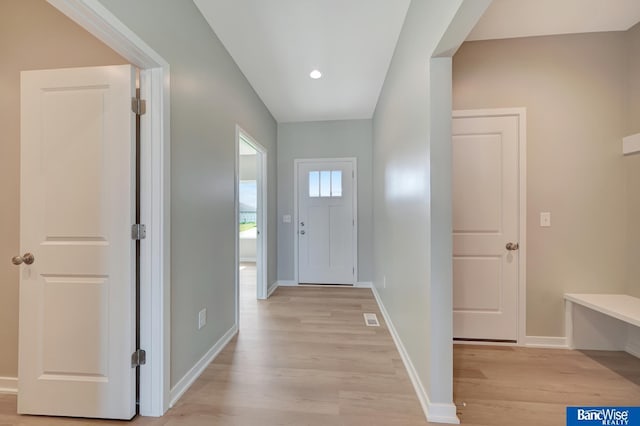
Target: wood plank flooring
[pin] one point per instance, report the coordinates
(305, 357)
(506, 385)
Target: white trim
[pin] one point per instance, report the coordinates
(364, 284)
(286, 283)
(631, 144)
(521, 113)
(236, 224)
(434, 412)
(9, 385)
(105, 26)
(192, 375)
(551, 342)
(248, 259)
(271, 289)
(155, 256)
(483, 343)
(633, 341)
(299, 161)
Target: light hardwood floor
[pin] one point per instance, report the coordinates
(305, 357)
(512, 385)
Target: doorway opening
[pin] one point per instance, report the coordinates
(251, 221)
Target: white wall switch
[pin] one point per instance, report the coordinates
(286, 218)
(545, 219)
(202, 318)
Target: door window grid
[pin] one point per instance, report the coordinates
(325, 184)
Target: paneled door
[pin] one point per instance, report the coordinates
(485, 227)
(326, 222)
(77, 257)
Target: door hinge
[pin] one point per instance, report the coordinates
(138, 358)
(138, 106)
(138, 232)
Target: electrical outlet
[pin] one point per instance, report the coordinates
(545, 219)
(202, 318)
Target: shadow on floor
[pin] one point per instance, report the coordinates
(627, 367)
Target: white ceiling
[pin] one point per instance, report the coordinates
(277, 43)
(524, 18)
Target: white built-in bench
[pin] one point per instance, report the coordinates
(603, 322)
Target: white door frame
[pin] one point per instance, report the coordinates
(261, 216)
(155, 194)
(296, 163)
(521, 115)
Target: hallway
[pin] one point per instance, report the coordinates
(305, 357)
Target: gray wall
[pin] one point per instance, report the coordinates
(404, 200)
(33, 35)
(209, 96)
(632, 163)
(574, 88)
(324, 139)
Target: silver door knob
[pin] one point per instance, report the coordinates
(302, 232)
(512, 246)
(26, 258)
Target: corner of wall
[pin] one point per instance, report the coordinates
(434, 412)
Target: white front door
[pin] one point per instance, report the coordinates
(77, 299)
(485, 221)
(326, 222)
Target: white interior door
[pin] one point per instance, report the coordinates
(485, 221)
(326, 222)
(77, 299)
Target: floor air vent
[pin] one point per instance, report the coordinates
(371, 320)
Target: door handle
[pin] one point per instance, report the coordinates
(302, 232)
(26, 258)
(512, 246)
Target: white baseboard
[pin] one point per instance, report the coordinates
(633, 341)
(437, 413)
(248, 259)
(364, 284)
(546, 342)
(286, 283)
(9, 385)
(192, 375)
(271, 289)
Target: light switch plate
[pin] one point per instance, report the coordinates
(545, 219)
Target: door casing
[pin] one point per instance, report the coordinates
(298, 161)
(261, 215)
(155, 194)
(521, 114)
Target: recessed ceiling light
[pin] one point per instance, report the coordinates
(315, 74)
